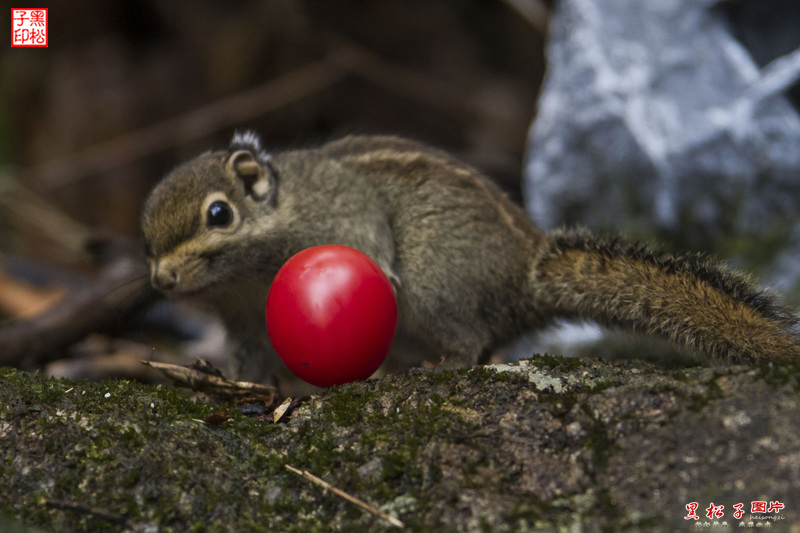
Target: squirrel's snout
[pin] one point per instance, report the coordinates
(164, 277)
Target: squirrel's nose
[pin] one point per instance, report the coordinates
(165, 278)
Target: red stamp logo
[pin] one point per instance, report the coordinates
(29, 27)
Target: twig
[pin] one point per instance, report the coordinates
(201, 381)
(327, 486)
(224, 113)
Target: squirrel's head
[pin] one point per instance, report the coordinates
(199, 220)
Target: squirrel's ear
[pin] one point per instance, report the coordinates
(259, 181)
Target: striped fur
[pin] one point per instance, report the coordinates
(687, 299)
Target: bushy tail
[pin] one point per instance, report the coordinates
(688, 299)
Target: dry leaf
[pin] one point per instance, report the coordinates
(279, 411)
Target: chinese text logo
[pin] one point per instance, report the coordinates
(29, 27)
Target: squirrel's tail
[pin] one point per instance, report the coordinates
(688, 300)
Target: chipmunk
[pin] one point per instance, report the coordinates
(471, 270)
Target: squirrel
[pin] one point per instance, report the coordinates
(471, 270)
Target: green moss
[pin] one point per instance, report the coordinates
(347, 405)
(438, 377)
(779, 373)
(608, 507)
(597, 439)
(484, 374)
(713, 392)
(559, 362)
(86, 437)
(394, 465)
(438, 399)
(680, 375)
(600, 385)
(501, 377)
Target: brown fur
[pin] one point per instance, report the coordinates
(687, 299)
(471, 270)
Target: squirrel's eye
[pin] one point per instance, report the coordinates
(219, 215)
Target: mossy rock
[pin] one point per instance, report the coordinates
(541, 445)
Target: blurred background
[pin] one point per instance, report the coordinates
(127, 90)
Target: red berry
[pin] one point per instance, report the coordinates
(331, 315)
